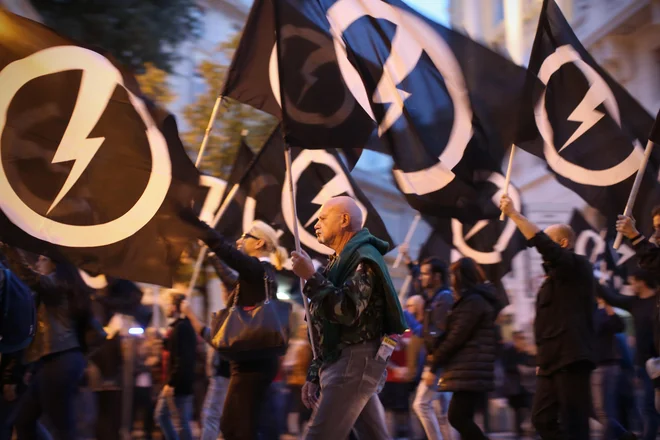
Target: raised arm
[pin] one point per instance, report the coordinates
(527, 228)
(40, 284)
(648, 253)
(245, 265)
(551, 252)
(614, 298)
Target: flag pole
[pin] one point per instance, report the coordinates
(223, 208)
(406, 241)
(207, 133)
(507, 180)
(296, 236)
(288, 161)
(635, 189)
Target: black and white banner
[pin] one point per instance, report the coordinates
(586, 126)
(90, 172)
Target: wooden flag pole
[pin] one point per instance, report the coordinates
(223, 208)
(209, 127)
(296, 236)
(289, 176)
(507, 180)
(635, 189)
(406, 241)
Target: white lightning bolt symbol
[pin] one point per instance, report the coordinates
(586, 111)
(93, 97)
(404, 56)
(333, 188)
(316, 59)
(476, 228)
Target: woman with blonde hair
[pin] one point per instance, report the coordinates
(256, 256)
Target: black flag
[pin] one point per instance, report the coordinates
(655, 131)
(111, 296)
(319, 109)
(597, 247)
(318, 175)
(491, 243)
(444, 105)
(90, 171)
(586, 126)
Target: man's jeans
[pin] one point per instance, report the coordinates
(604, 380)
(179, 407)
(213, 403)
(647, 405)
(349, 390)
(435, 423)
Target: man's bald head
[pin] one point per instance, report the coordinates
(561, 234)
(339, 219)
(344, 205)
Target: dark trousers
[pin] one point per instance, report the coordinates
(52, 392)
(462, 407)
(564, 395)
(7, 415)
(108, 418)
(647, 407)
(520, 404)
(143, 404)
(8, 411)
(246, 393)
(295, 405)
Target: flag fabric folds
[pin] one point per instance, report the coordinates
(588, 129)
(264, 194)
(90, 171)
(440, 104)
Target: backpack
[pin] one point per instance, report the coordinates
(18, 313)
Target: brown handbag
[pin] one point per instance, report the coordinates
(260, 332)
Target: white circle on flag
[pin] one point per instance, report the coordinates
(60, 59)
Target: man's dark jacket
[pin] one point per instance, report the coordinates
(565, 307)
(182, 346)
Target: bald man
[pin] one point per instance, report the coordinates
(353, 307)
(564, 331)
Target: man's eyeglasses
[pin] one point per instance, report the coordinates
(248, 235)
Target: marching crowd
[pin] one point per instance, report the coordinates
(362, 367)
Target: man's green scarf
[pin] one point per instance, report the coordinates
(364, 247)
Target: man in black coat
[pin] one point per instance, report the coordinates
(177, 395)
(564, 331)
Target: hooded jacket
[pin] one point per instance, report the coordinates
(354, 300)
(468, 349)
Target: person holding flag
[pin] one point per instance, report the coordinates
(255, 258)
(563, 329)
(354, 307)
